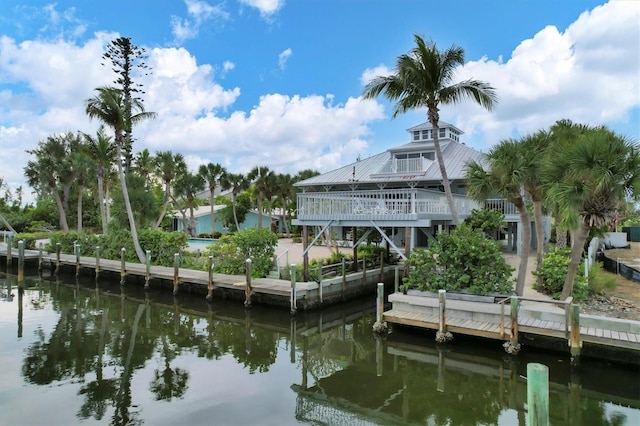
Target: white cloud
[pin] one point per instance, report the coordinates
(267, 8)
(283, 57)
(199, 12)
(588, 73)
(371, 73)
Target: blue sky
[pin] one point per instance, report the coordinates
(278, 83)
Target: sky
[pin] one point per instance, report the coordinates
(248, 83)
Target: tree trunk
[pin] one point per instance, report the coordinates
(213, 214)
(443, 170)
(79, 208)
(525, 244)
(580, 236)
(167, 196)
(540, 246)
(107, 199)
(103, 207)
(63, 215)
(561, 238)
(125, 194)
(235, 215)
(260, 210)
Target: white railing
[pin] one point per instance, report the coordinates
(393, 204)
(507, 208)
(406, 165)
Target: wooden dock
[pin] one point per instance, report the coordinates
(267, 291)
(533, 318)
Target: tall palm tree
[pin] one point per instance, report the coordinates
(285, 192)
(109, 107)
(587, 180)
(103, 154)
(187, 186)
(211, 174)
(532, 150)
(168, 166)
(81, 163)
(262, 178)
(144, 166)
(236, 182)
(504, 177)
(423, 78)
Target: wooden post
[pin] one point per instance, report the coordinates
(575, 342)
(76, 251)
(381, 267)
(9, 254)
(538, 394)
(344, 278)
(247, 288)
(442, 311)
(364, 271)
(320, 281)
(210, 279)
(58, 248)
(294, 307)
(380, 304)
(176, 272)
(379, 356)
(97, 262)
(123, 267)
(514, 320)
(40, 245)
(20, 263)
(396, 280)
(147, 274)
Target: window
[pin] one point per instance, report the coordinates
(425, 134)
(416, 135)
(442, 133)
(429, 155)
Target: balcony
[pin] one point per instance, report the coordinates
(394, 206)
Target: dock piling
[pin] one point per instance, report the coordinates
(40, 245)
(396, 280)
(176, 272)
(76, 252)
(97, 262)
(20, 263)
(512, 347)
(147, 274)
(9, 248)
(294, 308)
(538, 394)
(344, 278)
(210, 279)
(364, 270)
(320, 281)
(575, 342)
(123, 267)
(380, 326)
(247, 288)
(442, 335)
(58, 248)
(381, 267)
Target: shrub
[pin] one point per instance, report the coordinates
(231, 252)
(554, 271)
(600, 281)
(461, 260)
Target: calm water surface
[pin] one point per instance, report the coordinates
(74, 353)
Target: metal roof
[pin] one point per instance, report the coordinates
(455, 154)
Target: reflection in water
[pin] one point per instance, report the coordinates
(121, 356)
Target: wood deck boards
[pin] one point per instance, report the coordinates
(526, 325)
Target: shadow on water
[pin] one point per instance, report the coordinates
(121, 354)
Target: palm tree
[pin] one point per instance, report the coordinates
(211, 174)
(81, 164)
(504, 177)
(423, 78)
(168, 166)
(51, 170)
(143, 163)
(236, 182)
(533, 149)
(109, 107)
(285, 191)
(102, 152)
(587, 181)
(187, 186)
(262, 177)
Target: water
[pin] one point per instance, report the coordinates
(196, 244)
(72, 353)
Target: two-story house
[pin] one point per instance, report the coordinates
(397, 191)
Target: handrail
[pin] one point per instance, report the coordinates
(566, 303)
